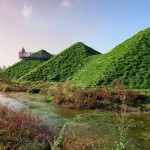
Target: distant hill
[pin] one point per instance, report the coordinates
(63, 65)
(22, 67)
(41, 54)
(128, 62)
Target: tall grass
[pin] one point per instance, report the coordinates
(23, 131)
(7, 85)
(69, 96)
(66, 94)
(98, 132)
(122, 125)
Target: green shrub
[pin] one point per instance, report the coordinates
(34, 90)
(147, 107)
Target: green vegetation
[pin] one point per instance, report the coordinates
(22, 67)
(93, 130)
(106, 131)
(34, 90)
(63, 65)
(41, 54)
(19, 69)
(8, 86)
(128, 62)
(67, 95)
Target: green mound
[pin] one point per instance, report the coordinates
(128, 62)
(22, 67)
(41, 54)
(63, 65)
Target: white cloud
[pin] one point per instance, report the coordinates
(27, 10)
(66, 3)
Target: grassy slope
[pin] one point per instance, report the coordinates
(129, 61)
(41, 53)
(21, 68)
(63, 65)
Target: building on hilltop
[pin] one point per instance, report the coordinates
(40, 55)
(23, 54)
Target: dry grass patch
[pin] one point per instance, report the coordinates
(20, 130)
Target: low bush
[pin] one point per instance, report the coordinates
(95, 99)
(9, 86)
(23, 131)
(6, 80)
(34, 90)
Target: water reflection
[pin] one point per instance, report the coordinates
(11, 103)
(34, 104)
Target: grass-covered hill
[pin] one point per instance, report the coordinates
(22, 67)
(41, 54)
(63, 65)
(129, 62)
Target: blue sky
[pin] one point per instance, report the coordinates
(54, 25)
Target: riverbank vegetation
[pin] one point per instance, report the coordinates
(19, 130)
(67, 95)
(107, 131)
(97, 130)
(89, 131)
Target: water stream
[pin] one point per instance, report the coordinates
(35, 105)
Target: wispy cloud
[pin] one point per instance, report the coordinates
(66, 3)
(27, 10)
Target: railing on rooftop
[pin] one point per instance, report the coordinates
(23, 55)
(31, 56)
